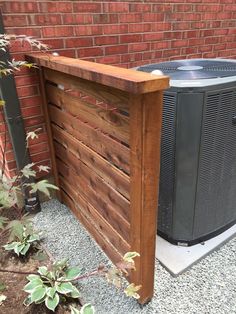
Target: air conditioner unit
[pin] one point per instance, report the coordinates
(197, 194)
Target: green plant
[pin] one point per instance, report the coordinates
(50, 286)
(85, 309)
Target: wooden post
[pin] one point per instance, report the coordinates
(145, 128)
(49, 131)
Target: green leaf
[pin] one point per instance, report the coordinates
(51, 303)
(38, 293)
(33, 277)
(32, 285)
(10, 246)
(51, 292)
(27, 301)
(16, 228)
(43, 186)
(18, 248)
(28, 172)
(131, 291)
(25, 249)
(87, 309)
(75, 293)
(74, 310)
(43, 270)
(72, 273)
(129, 256)
(64, 287)
(33, 238)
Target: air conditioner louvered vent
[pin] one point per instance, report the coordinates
(167, 171)
(216, 191)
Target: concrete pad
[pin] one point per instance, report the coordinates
(177, 259)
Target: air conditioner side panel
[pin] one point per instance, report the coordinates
(188, 136)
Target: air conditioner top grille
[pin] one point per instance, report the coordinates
(193, 69)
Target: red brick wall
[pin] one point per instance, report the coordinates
(127, 34)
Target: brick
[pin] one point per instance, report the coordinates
(20, 7)
(116, 7)
(131, 57)
(183, 8)
(90, 52)
(196, 42)
(161, 45)
(13, 20)
(131, 18)
(27, 91)
(31, 111)
(47, 19)
(26, 80)
(30, 101)
(109, 59)
(38, 148)
(39, 157)
(140, 7)
(153, 17)
(162, 7)
(105, 18)
(157, 27)
(54, 43)
(78, 42)
(130, 38)
(179, 43)
(48, 7)
(115, 29)
(60, 31)
(118, 49)
(139, 47)
(211, 40)
(34, 122)
(64, 7)
(86, 30)
(77, 19)
(153, 36)
(173, 35)
(140, 28)
(106, 40)
(83, 7)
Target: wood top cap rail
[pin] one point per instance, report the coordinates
(127, 80)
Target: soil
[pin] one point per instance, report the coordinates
(15, 282)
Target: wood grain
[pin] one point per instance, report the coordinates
(84, 206)
(107, 121)
(89, 188)
(117, 179)
(145, 114)
(123, 79)
(112, 96)
(113, 151)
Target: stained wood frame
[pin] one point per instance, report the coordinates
(134, 188)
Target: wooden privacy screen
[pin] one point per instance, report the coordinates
(104, 125)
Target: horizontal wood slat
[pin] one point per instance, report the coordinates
(113, 176)
(106, 94)
(123, 79)
(107, 121)
(104, 145)
(105, 196)
(95, 217)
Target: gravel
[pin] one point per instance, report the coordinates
(209, 287)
